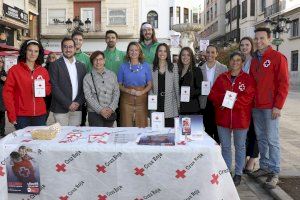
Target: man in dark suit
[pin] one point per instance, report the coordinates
(66, 76)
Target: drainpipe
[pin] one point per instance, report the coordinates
(39, 20)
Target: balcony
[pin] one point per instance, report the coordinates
(275, 8)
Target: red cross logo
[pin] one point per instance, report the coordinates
(156, 118)
(27, 140)
(102, 197)
(180, 173)
(60, 167)
(139, 171)
(63, 198)
(214, 179)
(101, 168)
(181, 143)
(24, 172)
(1, 171)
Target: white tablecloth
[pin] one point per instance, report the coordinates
(80, 170)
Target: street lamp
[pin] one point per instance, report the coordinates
(278, 26)
(78, 25)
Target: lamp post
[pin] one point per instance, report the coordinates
(78, 25)
(278, 25)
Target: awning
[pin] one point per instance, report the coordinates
(9, 53)
(5, 47)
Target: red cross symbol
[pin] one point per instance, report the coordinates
(24, 172)
(139, 171)
(101, 168)
(60, 167)
(180, 173)
(63, 198)
(100, 197)
(156, 118)
(1, 171)
(181, 143)
(214, 179)
(27, 140)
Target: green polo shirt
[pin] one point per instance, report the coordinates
(149, 51)
(85, 59)
(113, 59)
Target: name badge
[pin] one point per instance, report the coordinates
(39, 87)
(157, 120)
(152, 102)
(185, 94)
(229, 99)
(205, 88)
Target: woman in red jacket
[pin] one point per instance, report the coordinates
(234, 120)
(26, 86)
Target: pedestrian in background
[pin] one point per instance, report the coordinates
(2, 107)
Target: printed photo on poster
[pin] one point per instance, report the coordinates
(23, 171)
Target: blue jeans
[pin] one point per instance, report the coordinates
(267, 133)
(23, 121)
(239, 136)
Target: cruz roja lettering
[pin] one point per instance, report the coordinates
(192, 195)
(77, 186)
(152, 193)
(153, 160)
(73, 156)
(114, 191)
(113, 159)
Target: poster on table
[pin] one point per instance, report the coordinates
(23, 170)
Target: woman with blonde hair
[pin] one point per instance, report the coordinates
(135, 81)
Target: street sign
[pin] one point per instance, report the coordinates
(277, 41)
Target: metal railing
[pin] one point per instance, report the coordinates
(275, 8)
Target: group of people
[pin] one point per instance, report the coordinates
(114, 86)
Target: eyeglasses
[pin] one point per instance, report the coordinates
(68, 47)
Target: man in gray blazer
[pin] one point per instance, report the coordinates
(211, 69)
(66, 76)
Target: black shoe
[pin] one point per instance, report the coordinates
(247, 171)
(237, 180)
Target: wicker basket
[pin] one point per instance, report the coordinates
(47, 133)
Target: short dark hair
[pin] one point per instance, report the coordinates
(237, 53)
(214, 46)
(23, 49)
(95, 54)
(265, 29)
(251, 42)
(15, 155)
(111, 32)
(77, 33)
(67, 39)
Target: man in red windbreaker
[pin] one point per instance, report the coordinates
(270, 71)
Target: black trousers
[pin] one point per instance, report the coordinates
(84, 113)
(99, 121)
(169, 122)
(209, 121)
(251, 142)
(2, 123)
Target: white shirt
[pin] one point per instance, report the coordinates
(210, 74)
(73, 76)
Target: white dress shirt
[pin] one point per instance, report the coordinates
(73, 76)
(210, 74)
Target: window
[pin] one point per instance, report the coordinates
(207, 17)
(295, 28)
(117, 17)
(263, 5)
(186, 15)
(244, 9)
(171, 18)
(32, 2)
(88, 13)
(294, 64)
(152, 18)
(178, 15)
(211, 13)
(195, 18)
(234, 13)
(56, 16)
(252, 7)
(216, 10)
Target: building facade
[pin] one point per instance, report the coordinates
(18, 21)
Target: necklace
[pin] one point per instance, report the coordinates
(139, 68)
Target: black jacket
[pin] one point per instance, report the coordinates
(2, 73)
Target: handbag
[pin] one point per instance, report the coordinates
(113, 115)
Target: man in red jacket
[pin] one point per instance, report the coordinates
(270, 71)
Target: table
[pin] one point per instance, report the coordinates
(81, 167)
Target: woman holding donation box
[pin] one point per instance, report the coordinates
(232, 95)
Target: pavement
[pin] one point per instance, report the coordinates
(290, 156)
